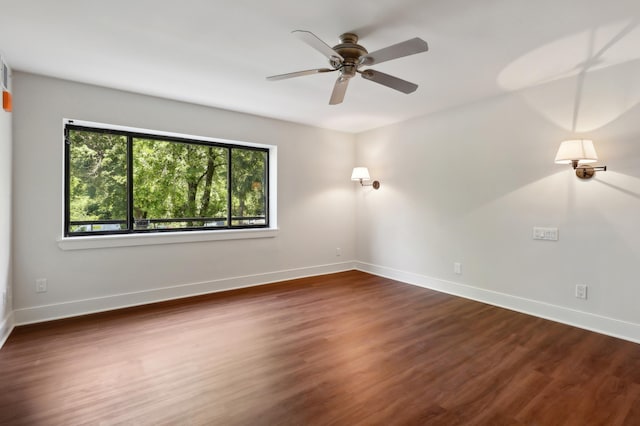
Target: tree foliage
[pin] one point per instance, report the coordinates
(247, 182)
(98, 178)
(175, 184)
(175, 180)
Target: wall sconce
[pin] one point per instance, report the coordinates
(362, 174)
(579, 153)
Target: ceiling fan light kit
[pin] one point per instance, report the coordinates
(348, 57)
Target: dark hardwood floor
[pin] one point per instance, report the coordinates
(340, 349)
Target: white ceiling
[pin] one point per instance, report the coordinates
(219, 52)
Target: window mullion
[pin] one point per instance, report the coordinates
(229, 208)
(130, 219)
(67, 181)
(265, 193)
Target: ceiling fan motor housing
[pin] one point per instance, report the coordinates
(351, 51)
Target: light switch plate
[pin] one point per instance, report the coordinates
(544, 233)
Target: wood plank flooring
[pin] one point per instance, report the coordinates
(340, 349)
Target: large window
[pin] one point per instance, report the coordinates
(119, 182)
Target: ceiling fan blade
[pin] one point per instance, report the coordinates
(399, 50)
(396, 83)
(339, 89)
(312, 40)
(299, 74)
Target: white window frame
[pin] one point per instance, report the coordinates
(133, 239)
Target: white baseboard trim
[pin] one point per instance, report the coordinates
(6, 327)
(599, 324)
(100, 304)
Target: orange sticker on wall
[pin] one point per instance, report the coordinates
(6, 101)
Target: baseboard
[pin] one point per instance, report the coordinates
(87, 306)
(599, 324)
(6, 327)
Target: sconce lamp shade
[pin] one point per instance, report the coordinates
(578, 150)
(361, 174)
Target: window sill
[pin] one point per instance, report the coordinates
(130, 240)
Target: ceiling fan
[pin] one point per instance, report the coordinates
(348, 57)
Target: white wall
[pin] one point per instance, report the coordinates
(467, 185)
(315, 205)
(5, 224)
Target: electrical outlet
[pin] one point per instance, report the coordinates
(581, 291)
(41, 285)
(4, 299)
(457, 268)
(338, 252)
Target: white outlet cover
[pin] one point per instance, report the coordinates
(41, 285)
(581, 291)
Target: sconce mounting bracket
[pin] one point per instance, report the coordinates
(586, 172)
